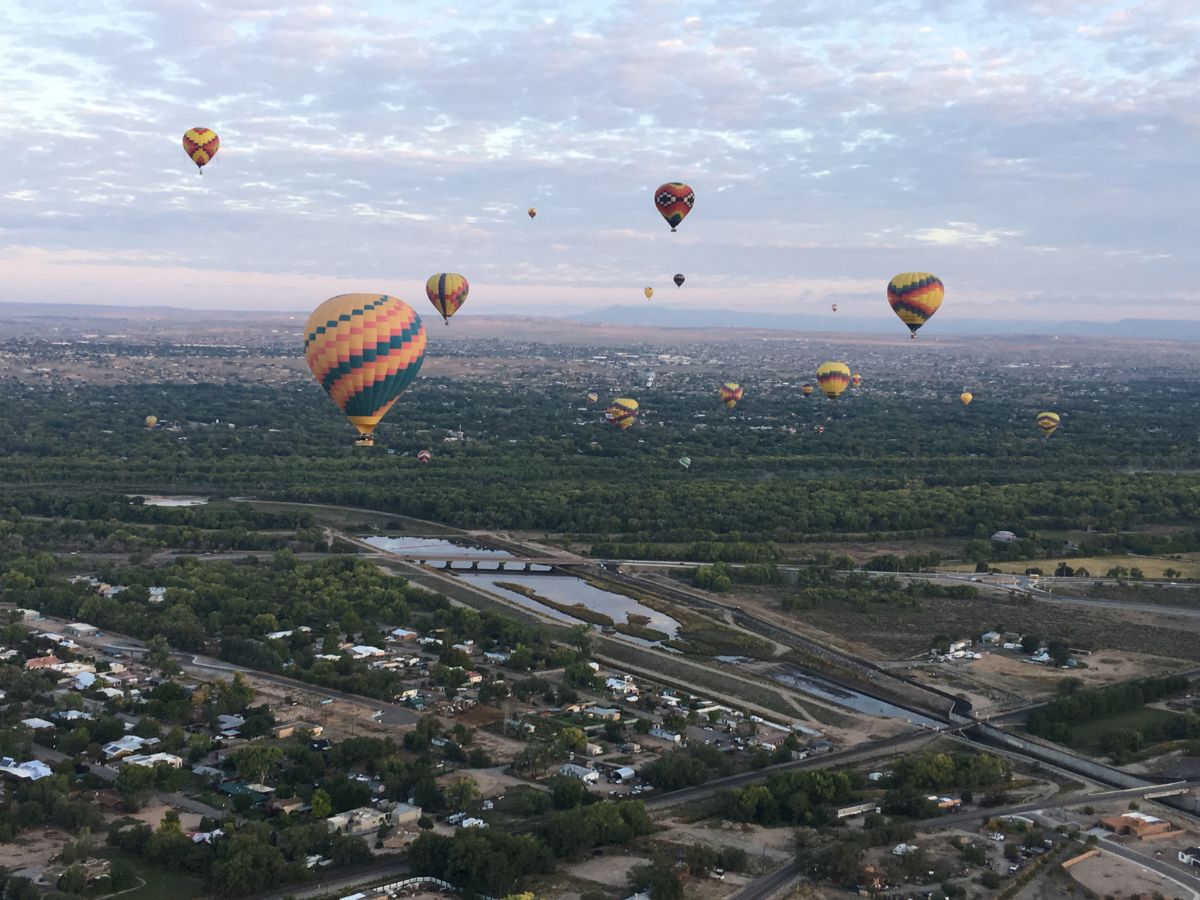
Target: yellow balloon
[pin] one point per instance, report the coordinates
(649, 292)
(966, 397)
(833, 378)
(151, 421)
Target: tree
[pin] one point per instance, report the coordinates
(322, 806)
(1030, 643)
(73, 880)
(256, 759)
(133, 784)
(159, 656)
(462, 792)
(659, 878)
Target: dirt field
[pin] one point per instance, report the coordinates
(1151, 566)
(152, 814)
(1112, 876)
(611, 870)
(1003, 679)
(30, 852)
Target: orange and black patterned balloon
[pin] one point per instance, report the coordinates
(731, 393)
(674, 200)
(915, 297)
(622, 412)
(424, 456)
(447, 291)
(201, 144)
(806, 390)
(364, 350)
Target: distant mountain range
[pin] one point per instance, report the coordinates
(674, 317)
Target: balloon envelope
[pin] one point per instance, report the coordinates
(833, 378)
(679, 280)
(915, 297)
(648, 291)
(447, 291)
(674, 200)
(856, 380)
(685, 461)
(622, 412)
(151, 421)
(592, 397)
(201, 144)
(1047, 422)
(806, 390)
(532, 212)
(966, 397)
(364, 350)
(731, 393)
(424, 456)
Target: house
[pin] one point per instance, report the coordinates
(26, 771)
(402, 635)
(404, 815)
(157, 594)
(110, 591)
(228, 724)
(665, 735)
(37, 724)
(288, 806)
(43, 662)
(1004, 537)
(1190, 856)
(153, 759)
(903, 849)
(362, 821)
(619, 685)
(287, 730)
(1140, 825)
(496, 658)
(467, 647)
(123, 746)
(71, 715)
(591, 749)
(474, 677)
(81, 629)
(606, 713)
(587, 776)
(365, 651)
(991, 637)
(205, 837)
(84, 680)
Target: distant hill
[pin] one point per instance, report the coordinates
(674, 317)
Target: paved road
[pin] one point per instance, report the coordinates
(769, 885)
(340, 883)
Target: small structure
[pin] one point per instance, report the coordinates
(857, 809)
(903, 849)
(361, 821)
(153, 759)
(26, 771)
(665, 735)
(81, 629)
(1004, 537)
(36, 724)
(587, 776)
(1190, 856)
(623, 774)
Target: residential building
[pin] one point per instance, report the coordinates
(665, 735)
(37, 724)
(362, 821)
(43, 662)
(1140, 825)
(1190, 856)
(153, 759)
(587, 776)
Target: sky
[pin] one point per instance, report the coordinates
(1041, 156)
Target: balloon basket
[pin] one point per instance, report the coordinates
(365, 442)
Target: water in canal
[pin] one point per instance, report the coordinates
(826, 690)
(569, 590)
(172, 501)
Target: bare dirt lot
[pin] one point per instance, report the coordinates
(1112, 876)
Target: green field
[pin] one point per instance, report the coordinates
(1090, 736)
(159, 882)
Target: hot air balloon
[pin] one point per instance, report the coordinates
(731, 393)
(674, 200)
(856, 380)
(364, 350)
(806, 390)
(1048, 422)
(834, 307)
(532, 212)
(201, 144)
(648, 291)
(592, 397)
(820, 429)
(679, 280)
(151, 421)
(685, 461)
(622, 412)
(966, 397)
(424, 456)
(447, 291)
(915, 297)
(833, 378)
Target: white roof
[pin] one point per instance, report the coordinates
(36, 723)
(31, 770)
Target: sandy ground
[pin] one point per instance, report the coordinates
(609, 870)
(492, 783)
(1002, 678)
(1109, 875)
(152, 813)
(776, 845)
(32, 850)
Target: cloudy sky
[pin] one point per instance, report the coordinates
(1041, 157)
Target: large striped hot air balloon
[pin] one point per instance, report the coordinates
(592, 397)
(806, 390)
(424, 456)
(674, 200)
(966, 397)
(834, 378)
(622, 412)
(201, 144)
(447, 291)
(1047, 422)
(915, 297)
(364, 350)
(731, 393)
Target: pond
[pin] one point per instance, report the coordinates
(152, 500)
(851, 699)
(569, 590)
(409, 545)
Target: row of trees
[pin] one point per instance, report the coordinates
(1054, 720)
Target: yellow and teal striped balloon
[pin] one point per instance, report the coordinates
(364, 350)
(447, 291)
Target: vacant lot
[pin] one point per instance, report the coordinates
(1097, 566)
(1112, 876)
